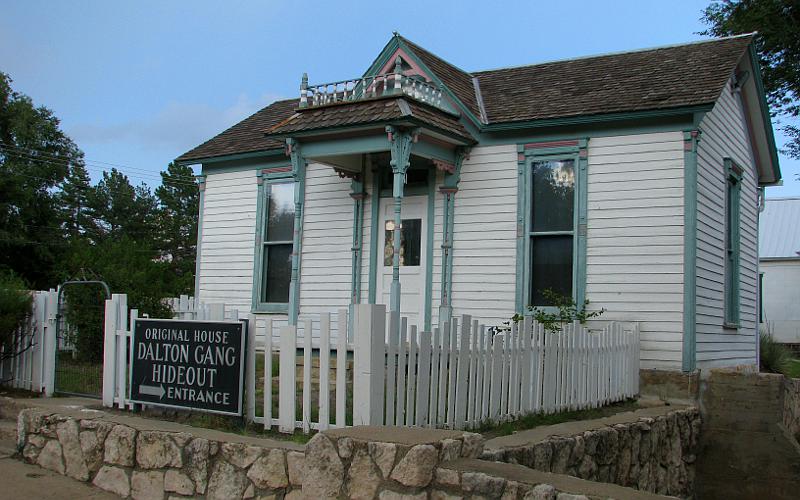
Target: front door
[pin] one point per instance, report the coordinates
(413, 243)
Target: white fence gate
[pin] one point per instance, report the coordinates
(29, 361)
(457, 376)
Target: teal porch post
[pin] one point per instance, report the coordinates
(400, 143)
(358, 194)
(449, 188)
(690, 139)
(299, 175)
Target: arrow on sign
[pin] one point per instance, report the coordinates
(152, 391)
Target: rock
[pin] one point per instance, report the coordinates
(591, 439)
(74, 462)
(451, 450)
(587, 468)
(416, 468)
(562, 449)
(293, 495)
(226, 482)
(541, 492)
(324, 471)
(119, 446)
(570, 496)
(155, 450)
(363, 478)
(479, 483)
(383, 454)
(443, 495)
(392, 495)
(473, 445)
(92, 451)
(295, 462)
(113, 479)
(511, 491)
(30, 453)
(181, 438)
(178, 482)
(196, 466)
(345, 446)
(447, 477)
(578, 450)
(542, 456)
(623, 466)
(37, 440)
(269, 471)
(147, 485)
(240, 454)
(50, 457)
(250, 492)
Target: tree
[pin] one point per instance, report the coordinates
(179, 204)
(73, 199)
(118, 209)
(778, 47)
(35, 156)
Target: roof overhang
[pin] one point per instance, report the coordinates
(757, 115)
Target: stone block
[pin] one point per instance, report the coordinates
(295, 462)
(269, 471)
(541, 492)
(155, 450)
(178, 482)
(324, 471)
(478, 483)
(120, 446)
(74, 462)
(416, 467)
(147, 485)
(113, 479)
(363, 477)
(384, 456)
(50, 457)
(196, 466)
(226, 482)
(240, 454)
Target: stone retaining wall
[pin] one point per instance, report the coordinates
(791, 406)
(144, 464)
(651, 454)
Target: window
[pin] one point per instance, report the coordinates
(551, 229)
(410, 242)
(276, 243)
(732, 198)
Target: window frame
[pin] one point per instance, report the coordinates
(732, 244)
(528, 154)
(266, 180)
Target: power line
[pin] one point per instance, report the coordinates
(87, 161)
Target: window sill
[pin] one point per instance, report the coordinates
(270, 309)
(730, 326)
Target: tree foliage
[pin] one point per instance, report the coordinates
(15, 307)
(55, 225)
(778, 44)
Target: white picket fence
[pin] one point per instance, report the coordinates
(29, 361)
(389, 373)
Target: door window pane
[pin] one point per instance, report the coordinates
(278, 273)
(410, 242)
(553, 197)
(280, 213)
(551, 267)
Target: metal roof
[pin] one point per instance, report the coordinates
(779, 229)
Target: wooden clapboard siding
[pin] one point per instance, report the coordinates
(724, 134)
(226, 256)
(436, 275)
(326, 258)
(635, 238)
(484, 236)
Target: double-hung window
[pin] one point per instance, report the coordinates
(733, 181)
(551, 229)
(275, 248)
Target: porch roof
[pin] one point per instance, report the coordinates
(376, 111)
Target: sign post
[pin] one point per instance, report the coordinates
(189, 364)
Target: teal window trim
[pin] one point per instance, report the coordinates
(689, 347)
(266, 178)
(733, 183)
(527, 154)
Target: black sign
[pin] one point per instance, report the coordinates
(188, 364)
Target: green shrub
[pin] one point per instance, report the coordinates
(775, 357)
(15, 306)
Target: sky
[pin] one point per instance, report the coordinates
(136, 84)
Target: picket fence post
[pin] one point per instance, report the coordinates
(369, 327)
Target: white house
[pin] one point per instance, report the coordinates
(631, 179)
(779, 263)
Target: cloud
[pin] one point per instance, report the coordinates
(178, 125)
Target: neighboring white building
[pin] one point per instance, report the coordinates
(779, 260)
(629, 179)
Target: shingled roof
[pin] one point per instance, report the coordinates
(247, 136)
(372, 111)
(655, 79)
(683, 75)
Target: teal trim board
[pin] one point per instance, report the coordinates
(733, 182)
(299, 175)
(358, 194)
(429, 250)
(375, 209)
(689, 355)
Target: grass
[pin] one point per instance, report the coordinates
(532, 420)
(78, 377)
(793, 368)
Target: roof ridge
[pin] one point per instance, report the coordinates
(617, 53)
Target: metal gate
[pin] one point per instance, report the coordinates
(79, 347)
